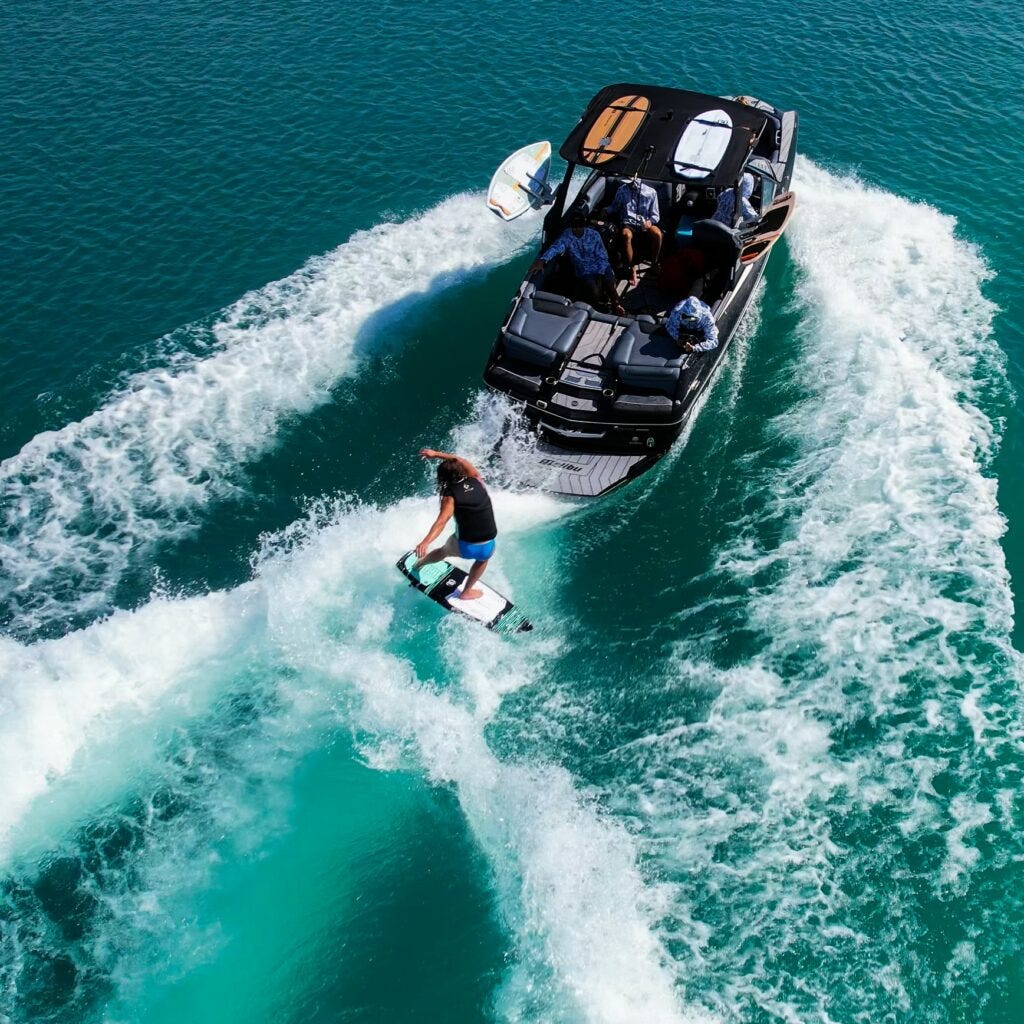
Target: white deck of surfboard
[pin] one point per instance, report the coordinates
(514, 187)
(703, 144)
(483, 608)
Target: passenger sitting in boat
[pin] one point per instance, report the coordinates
(727, 203)
(635, 206)
(691, 324)
(589, 258)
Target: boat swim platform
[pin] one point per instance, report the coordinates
(585, 474)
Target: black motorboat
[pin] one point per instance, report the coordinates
(608, 393)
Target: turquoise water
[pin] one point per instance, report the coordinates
(760, 760)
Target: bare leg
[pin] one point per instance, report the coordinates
(655, 232)
(627, 244)
(449, 549)
(468, 593)
(627, 248)
(610, 293)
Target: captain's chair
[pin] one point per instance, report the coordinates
(720, 245)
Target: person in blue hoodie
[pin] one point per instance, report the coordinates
(588, 258)
(691, 325)
(726, 210)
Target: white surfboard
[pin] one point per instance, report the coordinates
(442, 582)
(703, 144)
(521, 182)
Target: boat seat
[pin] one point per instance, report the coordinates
(545, 300)
(558, 300)
(720, 245)
(542, 332)
(591, 198)
(644, 360)
(644, 405)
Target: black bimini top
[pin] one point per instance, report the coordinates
(634, 129)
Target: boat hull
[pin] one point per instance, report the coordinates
(606, 389)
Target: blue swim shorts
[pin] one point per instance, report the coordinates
(478, 552)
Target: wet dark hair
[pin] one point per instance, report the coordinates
(449, 472)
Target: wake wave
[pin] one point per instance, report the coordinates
(207, 704)
(868, 744)
(78, 504)
(854, 777)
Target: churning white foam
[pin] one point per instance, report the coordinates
(77, 502)
(890, 550)
(59, 698)
(328, 608)
(873, 580)
(581, 914)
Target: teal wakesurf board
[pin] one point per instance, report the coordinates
(440, 581)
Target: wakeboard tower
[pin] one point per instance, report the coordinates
(608, 394)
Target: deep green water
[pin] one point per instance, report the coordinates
(761, 760)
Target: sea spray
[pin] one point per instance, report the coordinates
(319, 618)
(813, 799)
(81, 503)
(582, 915)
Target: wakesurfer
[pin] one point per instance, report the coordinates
(464, 496)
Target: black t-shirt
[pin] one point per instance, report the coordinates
(474, 517)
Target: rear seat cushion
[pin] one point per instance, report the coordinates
(646, 360)
(552, 297)
(541, 336)
(644, 405)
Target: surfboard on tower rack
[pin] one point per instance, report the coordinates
(442, 581)
(521, 182)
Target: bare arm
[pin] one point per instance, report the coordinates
(447, 508)
(465, 465)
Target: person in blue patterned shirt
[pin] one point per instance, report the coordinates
(726, 209)
(691, 324)
(635, 206)
(588, 258)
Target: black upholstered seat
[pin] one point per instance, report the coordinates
(646, 360)
(542, 332)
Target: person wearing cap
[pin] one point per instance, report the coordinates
(691, 324)
(635, 206)
(588, 258)
(726, 210)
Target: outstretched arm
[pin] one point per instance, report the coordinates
(467, 467)
(556, 248)
(447, 508)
